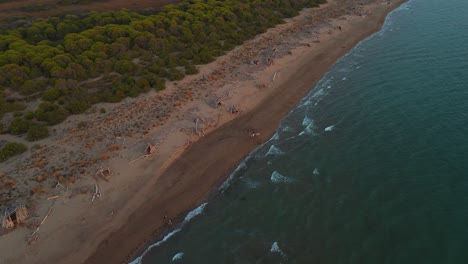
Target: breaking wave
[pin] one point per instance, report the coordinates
(274, 151)
(190, 216)
(277, 177)
(276, 249)
(178, 256)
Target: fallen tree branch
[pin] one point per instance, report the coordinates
(97, 192)
(32, 237)
(52, 197)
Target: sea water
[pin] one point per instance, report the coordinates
(371, 167)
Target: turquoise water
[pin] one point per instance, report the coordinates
(371, 167)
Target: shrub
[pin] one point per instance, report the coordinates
(19, 126)
(51, 95)
(77, 107)
(10, 150)
(174, 74)
(37, 132)
(190, 69)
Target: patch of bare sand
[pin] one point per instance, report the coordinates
(262, 79)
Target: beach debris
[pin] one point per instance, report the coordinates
(168, 221)
(187, 144)
(14, 216)
(104, 173)
(150, 149)
(233, 109)
(199, 131)
(219, 102)
(33, 237)
(59, 185)
(97, 192)
(274, 76)
(52, 197)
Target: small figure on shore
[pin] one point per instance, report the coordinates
(168, 221)
(254, 134)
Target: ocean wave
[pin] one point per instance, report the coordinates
(178, 256)
(275, 136)
(329, 128)
(276, 249)
(287, 129)
(274, 151)
(316, 172)
(309, 130)
(277, 177)
(190, 216)
(195, 212)
(226, 183)
(318, 93)
(251, 184)
(157, 244)
(307, 121)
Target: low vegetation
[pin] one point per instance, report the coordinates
(11, 150)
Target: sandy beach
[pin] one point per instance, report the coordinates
(200, 127)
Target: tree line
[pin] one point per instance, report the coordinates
(129, 52)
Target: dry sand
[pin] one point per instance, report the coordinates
(117, 226)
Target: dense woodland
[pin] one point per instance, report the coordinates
(124, 53)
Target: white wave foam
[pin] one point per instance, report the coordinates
(309, 130)
(274, 151)
(277, 177)
(178, 256)
(138, 260)
(252, 184)
(195, 212)
(275, 136)
(276, 249)
(330, 128)
(226, 184)
(288, 129)
(190, 216)
(344, 79)
(320, 92)
(307, 121)
(316, 172)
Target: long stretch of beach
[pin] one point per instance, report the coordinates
(203, 136)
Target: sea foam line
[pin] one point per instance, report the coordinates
(190, 216)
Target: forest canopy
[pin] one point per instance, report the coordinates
(71, 62)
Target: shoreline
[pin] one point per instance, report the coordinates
(213, 169)
(263, 79)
